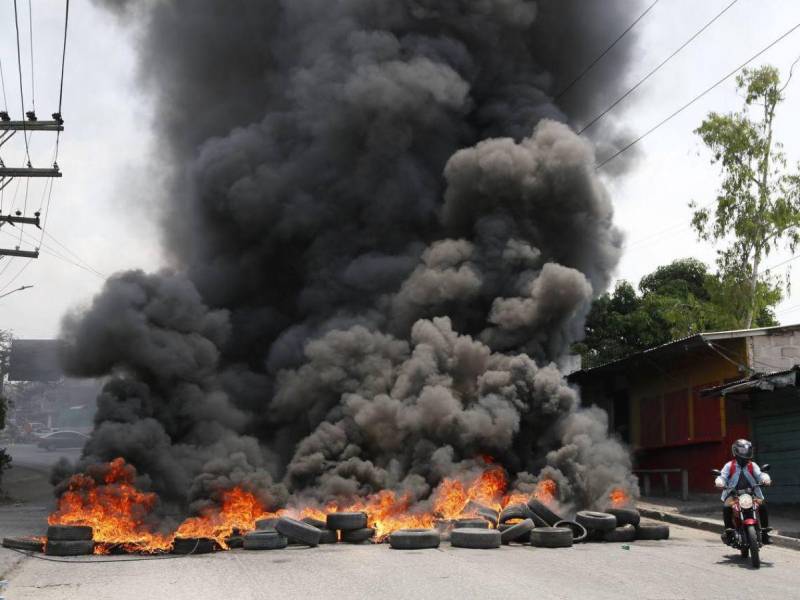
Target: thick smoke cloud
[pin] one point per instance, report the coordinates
(384, 239)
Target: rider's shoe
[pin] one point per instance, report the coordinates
(728, 536)
(765, 539)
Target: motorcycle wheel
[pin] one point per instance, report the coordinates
(752, 539)
(744, 551)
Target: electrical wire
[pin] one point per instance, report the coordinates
(21, 93)
(15, 277)
(658, 67)
(30, 29)
(698, 97)
(603, 53)
(50, 251)
(3, 85)
(61, 83)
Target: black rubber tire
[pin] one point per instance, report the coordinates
(193, 546)
(69, 547)
(625, 516)
(525, 539)
(234, 541)
(626, 533)
(264, 540)
(597, 521)
(483, 539)
(652, 532)
(752, 538)
(744, 552)
(579, 532)
(23, 543)
(315, 522)
(547, 515)
(489, 515)
(472, 523)
(346, 521)
(356, 536)
(414, 539)
(68, 533)
(514, 511)
(266, 524)
(298, 531)
(517, 532)
(551, 537)
(329, 536)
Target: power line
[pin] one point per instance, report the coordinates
(21, 93)
(603, 53)
(657, 68)
(14, 278)
(30, 29)
(49, 250)
(696, 98)
(3, 84)
(63, 59)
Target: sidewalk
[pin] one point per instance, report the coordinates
(704, 511)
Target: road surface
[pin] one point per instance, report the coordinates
(692, 564)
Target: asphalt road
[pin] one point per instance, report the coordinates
(31, 456)
(691, 565)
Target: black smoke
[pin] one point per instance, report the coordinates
(384, 238)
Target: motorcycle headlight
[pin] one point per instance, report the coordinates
(746, 501)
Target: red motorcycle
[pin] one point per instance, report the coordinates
(746, 522)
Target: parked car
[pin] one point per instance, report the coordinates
(62, 439)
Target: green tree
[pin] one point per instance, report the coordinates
(676, 300)
(758, 205)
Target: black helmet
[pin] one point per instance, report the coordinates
(742, 450)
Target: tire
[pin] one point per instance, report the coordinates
(23, 543)
(314, 522)
(551, 537)
(329, 536)
(547, 515)
(744, 552)
(264, 540)
(356, 536)
(414, 539)
(69, 547)
(579, 532)
(346, 521)
(525, 539)
(298, 531)
(752, 538)
(489, 515)
(68, 533)
(652, 532)
(234, 541)
(517, 532)
(625, 516)
(266, 524)
(514, 511)
(483, 539)
(193, 546)
(626, 533)
(596, 520)
(475, 523)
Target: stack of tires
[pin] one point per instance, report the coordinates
(619, 525)
(352, 527)
(69, 540)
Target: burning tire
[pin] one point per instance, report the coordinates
(579, 532)
(356, 536)
(69, 547)
(551, 537)
(515, 511)
(517, 532)
(69, 533)
(414, 539)
(625, 516)
(264, 540)
(234, 541)
(547, 515)
(626, 533)
(484, 512)
(346, 521)
(652, 532)
(315, 522)
(483, 539)
(597, 521)
(298, 531)
(475, 523)
(329, 536)
(190, 546)
(266, 524)
(23, 543)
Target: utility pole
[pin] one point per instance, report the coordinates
(8, 128)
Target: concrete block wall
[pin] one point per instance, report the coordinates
(776, 352)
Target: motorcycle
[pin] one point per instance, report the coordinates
(746, 522)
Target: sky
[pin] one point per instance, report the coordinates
(104, 212)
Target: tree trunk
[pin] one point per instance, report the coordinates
(751, 296)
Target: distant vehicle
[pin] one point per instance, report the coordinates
(62, 439)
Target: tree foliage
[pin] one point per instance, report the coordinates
(5, 352)
(758, 205)
(676, 300)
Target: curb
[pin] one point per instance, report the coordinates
(711, 526)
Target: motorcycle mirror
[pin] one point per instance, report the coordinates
(765, 467)
(718, 472)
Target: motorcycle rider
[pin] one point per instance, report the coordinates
(738, 474)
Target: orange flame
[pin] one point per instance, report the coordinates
(619, 498)
(546, 491)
